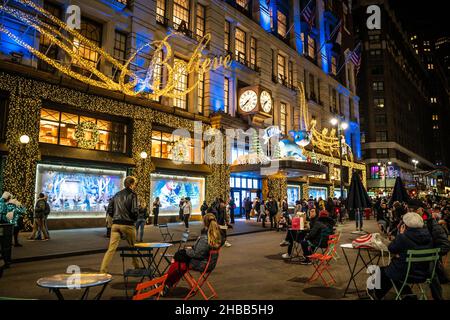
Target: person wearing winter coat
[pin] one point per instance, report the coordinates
(140, 222)
(39, 216)
(411, 236)
(15, 216)
(204, 208)
(196, 257)
(320, 228)
(3, 206)
(155, 210)
(187, 210)
(272, 210)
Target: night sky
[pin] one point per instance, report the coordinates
(430, 16)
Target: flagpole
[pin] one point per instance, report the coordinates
(347, 58)
(331, 35)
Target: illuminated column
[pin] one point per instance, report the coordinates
(297, 28)
(305, 189)
(20, 167)
(277, 187)
(142, 142)
(264, 16)
(323, 59)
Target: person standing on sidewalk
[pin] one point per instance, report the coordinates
(232, 205)
(204, 208)
(140, 222)
(124, 209)
(272, 209)
(155, 210)
(39, 216)
(15, 216)
(187, 210)
(180, 212)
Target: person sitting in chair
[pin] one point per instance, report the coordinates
(412, 236)
(317, 237)
(195, 257)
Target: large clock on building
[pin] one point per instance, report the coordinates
(248, 100)
(265, 101)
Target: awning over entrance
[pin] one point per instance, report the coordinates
(288, 168)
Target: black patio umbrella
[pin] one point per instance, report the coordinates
(357, 195)
(399, 192)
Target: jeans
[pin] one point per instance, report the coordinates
(175, 273)
(247, 214)
(359, 218)
(140, 224)
(306, 247)
(117, 231)
(294, 236)
(155, 217)
(272, 220)
(186, 220)
(38, 224)
(44, 225)
(232, 216)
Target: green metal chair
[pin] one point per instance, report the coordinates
(419, 256)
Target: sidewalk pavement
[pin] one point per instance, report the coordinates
(75, 242)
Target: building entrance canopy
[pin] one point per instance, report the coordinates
(287, 168)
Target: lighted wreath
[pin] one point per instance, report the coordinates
(80, 135)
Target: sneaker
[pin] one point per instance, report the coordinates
(305, 262)
(227, 244)
(284, 243)
(45, 239)
(286, 256)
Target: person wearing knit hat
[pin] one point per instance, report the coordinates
(413, 220)
(412, 236)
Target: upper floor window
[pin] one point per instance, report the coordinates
(120, 51)
(375, 52)
(226, 95)
(311, 47)
(93, 32)
(333, 65)
(290, 73)
(281, 24)
(433, 100)
(160, 11)
(45, 45)
(378, 86)
(240, 44)
(253, 49)
(163, 145)
(200, 30)
(59, 128)
(283, 117)
(281, 61)
(381, 136)
(226, 43)
(181, 13)
(380, 119)
(201, 93)
(181, 84)
(378, 102)
(244, 4)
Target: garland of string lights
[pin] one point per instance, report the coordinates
(135, 86)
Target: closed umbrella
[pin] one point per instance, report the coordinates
(399, 192)
(357, 200)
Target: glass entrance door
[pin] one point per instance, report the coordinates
(237, 202)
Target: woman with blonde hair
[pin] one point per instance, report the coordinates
(195, 257)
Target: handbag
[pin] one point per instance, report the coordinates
(181, 256)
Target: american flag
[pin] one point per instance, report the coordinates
(355, 57)
(309, 14)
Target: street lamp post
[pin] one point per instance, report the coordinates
(341, 126)
(385, 165)
(415, 162)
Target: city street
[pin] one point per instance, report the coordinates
(252, 268)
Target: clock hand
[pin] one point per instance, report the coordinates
(248, 100)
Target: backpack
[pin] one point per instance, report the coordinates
(47, 209)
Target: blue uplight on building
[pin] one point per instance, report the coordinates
(264, 15)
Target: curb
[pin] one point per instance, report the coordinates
(97, 251)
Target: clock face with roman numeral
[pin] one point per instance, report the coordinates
(248, 100)
(266, 101)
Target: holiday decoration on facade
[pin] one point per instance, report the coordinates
(60, 35)
(87, 135)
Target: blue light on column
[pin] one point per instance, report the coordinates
(264, 15)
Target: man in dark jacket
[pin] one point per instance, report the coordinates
(412, 236)
(320, 229)
(124, 210)
(247, 207)
(272, 209)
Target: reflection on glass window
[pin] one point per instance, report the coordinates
(163, 143)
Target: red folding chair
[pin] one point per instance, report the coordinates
(197, 284)
(156, 287)
(321, 263)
